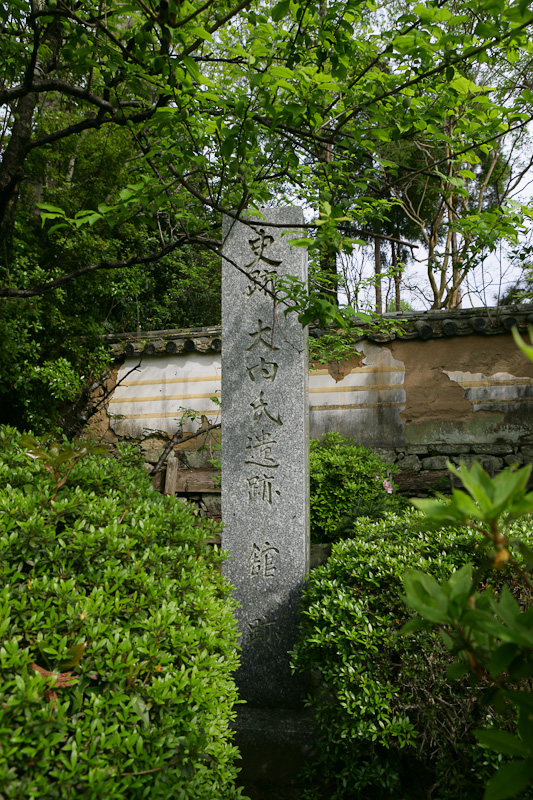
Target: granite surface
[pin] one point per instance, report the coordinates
(265, 481)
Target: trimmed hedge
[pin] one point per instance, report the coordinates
(347, 481)
(117, 638)
(390, 722)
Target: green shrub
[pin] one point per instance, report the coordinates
(347, 481)
(390, 723)
(117, 638)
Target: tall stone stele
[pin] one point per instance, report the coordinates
(265, 464)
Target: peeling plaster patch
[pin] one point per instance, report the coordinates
(339, 370)
(379, 356)
(499, 392)
(430, 396)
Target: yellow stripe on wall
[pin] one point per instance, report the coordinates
(175, 414)
(312, 372)
(360, 370)
(159, 381)
(378, 387)
(159, 398)
(357, 406)
(503, 402)
(515, 382)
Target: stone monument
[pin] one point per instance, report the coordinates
(265, 472)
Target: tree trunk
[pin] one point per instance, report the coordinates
(12, 167)
(397, 277)
(377, 270)
(14, 158)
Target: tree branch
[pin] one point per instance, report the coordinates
(49, 286)
(178, 438)
(218, 24)
(435, 71)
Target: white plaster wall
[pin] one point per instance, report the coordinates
(156, 393)
(153, 395)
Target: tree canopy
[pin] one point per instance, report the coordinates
(128, 128)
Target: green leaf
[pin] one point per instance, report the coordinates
(463, 85)
(525, 551)
(477, 482)
(484, 621)
(464, 506)
(417, 598)
(412, 626)
(507, 607)
(192, 68)
(502, 742)
(485, 30)
(201, 33)
(501, 657)
(304, 242)
(75, 654)
(509, 484)
(509, 780)
(282, 72)
(55, 228)
(53, 209)
(441, 513)
(285, 85)
(425, 587)
(227, 147)
(460, 582)
(525, 348)
(525, 724)
(457, 670)
(524, 700)
(280, 10)
(88, 219)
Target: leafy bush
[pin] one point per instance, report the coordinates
(347, 481)
(488, 632)
(117, 636)
(390, 723)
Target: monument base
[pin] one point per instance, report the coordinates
(275, 745)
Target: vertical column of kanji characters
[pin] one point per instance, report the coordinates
(261, 443)
(264, 452)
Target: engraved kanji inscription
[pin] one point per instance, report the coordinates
(263, 281)
(264, 630)
(260, 408)
(265, 369)
(264, 275)
(259, 450)
(259, 336)
(258, 245)
(260, 487)
(263, 560)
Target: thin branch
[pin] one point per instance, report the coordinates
(218, 24)
(383, 53)
(455, 154)
(304, 225)
(178, 438)
(193, 14)
(96, 22)
(57, 85)
(90, 123)
(435, 71)
(149, 771)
